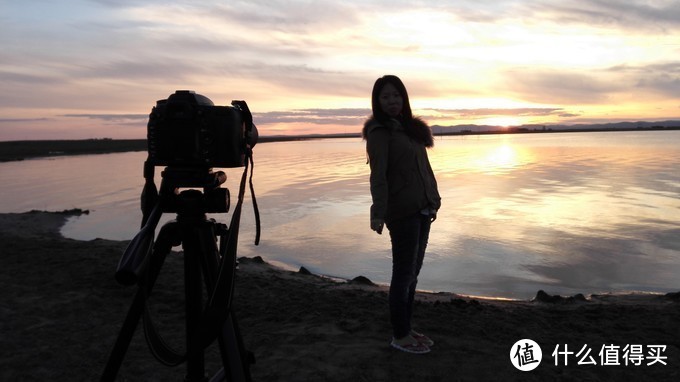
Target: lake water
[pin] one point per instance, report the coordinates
(565, 212)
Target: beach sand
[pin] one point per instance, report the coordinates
(62, 310)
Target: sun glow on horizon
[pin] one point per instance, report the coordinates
(502, 121)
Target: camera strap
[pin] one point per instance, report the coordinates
(251, 137)
(219, 304)
(252, 196)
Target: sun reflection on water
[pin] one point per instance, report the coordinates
(484, 157)
(586, 212)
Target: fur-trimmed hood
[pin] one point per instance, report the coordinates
(416, 128)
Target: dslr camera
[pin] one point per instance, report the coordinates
(188, 130)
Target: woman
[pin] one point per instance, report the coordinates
(405, 198)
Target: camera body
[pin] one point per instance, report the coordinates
(188, 130)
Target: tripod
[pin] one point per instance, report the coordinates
(204, 263)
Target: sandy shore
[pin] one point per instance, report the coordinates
(62, 310)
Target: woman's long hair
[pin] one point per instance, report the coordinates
(414, 127)
(378, 112)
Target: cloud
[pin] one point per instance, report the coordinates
(304, 80)
(554, 86)
(17, 86)
(136, 70)
(662, 78)
(342, 116)
(633, 15)
(296, 60)
(137, 121)
(290, 16)
(16, 77)
(637, 15)
(597, 86)
(485, 112)
(110, 117)
(356, 116)
(13, 120)
(641, 15)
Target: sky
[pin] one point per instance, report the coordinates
(94, 68)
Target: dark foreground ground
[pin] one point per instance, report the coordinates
(61, 311)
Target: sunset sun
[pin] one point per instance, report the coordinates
(501, 121)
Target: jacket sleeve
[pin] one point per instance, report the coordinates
(377, 146)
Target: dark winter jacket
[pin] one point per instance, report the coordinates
(402, 181)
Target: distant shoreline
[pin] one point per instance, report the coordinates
(21, 150)
(30, 149)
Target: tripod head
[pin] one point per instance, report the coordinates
(190, 202)
(213, 199)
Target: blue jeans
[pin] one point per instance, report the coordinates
(409, 237)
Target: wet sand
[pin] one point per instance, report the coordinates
(62, 310)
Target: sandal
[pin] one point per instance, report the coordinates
(422, 339)
(413, 347)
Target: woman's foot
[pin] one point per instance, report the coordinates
(421, 338)
(409, 344)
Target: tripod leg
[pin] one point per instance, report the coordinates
(235, 358)
(124, 338)
(208, 248)
(160, 251)
(194, 303)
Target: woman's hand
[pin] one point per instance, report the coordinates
(377, 225)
